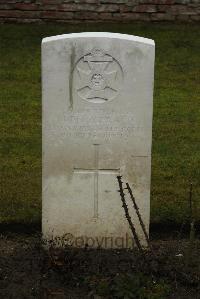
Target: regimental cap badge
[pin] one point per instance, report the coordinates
(99, 77)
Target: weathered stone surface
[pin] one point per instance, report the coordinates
(195, 18)
(133, 16)
(145, 8)
(57, 15)
(121, 10)
(108, 8)
(97, 123)
(85, 15)
(162, 17)
(105, 16)
(183, 18)
(25, 6)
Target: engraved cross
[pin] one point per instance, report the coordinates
(96, 171)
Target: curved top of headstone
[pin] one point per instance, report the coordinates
(100, 35)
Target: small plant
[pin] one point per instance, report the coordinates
(156, 290)
(103, 287)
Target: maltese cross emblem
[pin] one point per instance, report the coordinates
(98, 77)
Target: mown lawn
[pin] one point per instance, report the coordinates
(176, 125)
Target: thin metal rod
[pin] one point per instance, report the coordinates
(138, 214)
(124, 205)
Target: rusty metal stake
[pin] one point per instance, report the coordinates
(138, 214)
(124, 205)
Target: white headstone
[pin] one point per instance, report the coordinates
(97, 91)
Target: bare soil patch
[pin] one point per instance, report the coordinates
(27, 271)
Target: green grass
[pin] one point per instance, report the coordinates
(176, 125)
